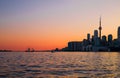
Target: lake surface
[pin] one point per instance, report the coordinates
(60, 65)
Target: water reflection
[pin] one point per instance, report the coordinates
(60, 65)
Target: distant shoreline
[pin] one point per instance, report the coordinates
(61, 51)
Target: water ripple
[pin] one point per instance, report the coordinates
(60, 65)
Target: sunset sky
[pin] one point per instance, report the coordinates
(47, 24)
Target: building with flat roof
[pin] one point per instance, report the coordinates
(75, 46)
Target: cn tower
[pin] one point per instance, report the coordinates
(100, 27)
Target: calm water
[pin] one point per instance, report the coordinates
(60, 65)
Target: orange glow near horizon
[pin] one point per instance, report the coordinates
(52, 24)
(51, 38)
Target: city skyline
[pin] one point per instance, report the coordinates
(95, 43)
(48, 24)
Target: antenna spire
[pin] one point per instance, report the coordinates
(100, 27)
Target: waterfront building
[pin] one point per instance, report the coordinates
(65, 49)
(92, 40)
(74, 46)
(88, 37)
(118, 34)
(110, 37)
(104, 38)
(104, 41)
(95, 33)
(110, 41)
(96, 39)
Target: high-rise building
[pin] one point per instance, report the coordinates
(103, 41)
(110, 38)
(74, 46)
(118, 33)
(95, 33)
(88, 37)
(96, 39)
(110, 42)
(100, 28)
(104, 38)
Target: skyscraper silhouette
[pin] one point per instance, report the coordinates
(97, 42)
(119, 33)
(88, 36)
(110, 38)
(95, 33)
(96, 38)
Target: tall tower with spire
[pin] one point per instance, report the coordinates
(100, 27)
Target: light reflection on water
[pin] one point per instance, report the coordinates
(60, 65)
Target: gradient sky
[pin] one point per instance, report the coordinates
(47, 24)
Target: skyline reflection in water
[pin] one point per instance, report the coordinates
(59, 64)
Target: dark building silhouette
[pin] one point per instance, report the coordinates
(88, 37)
(74, 46)
(118, 34)
(104, 41)
(96, 43)
(110, 37)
